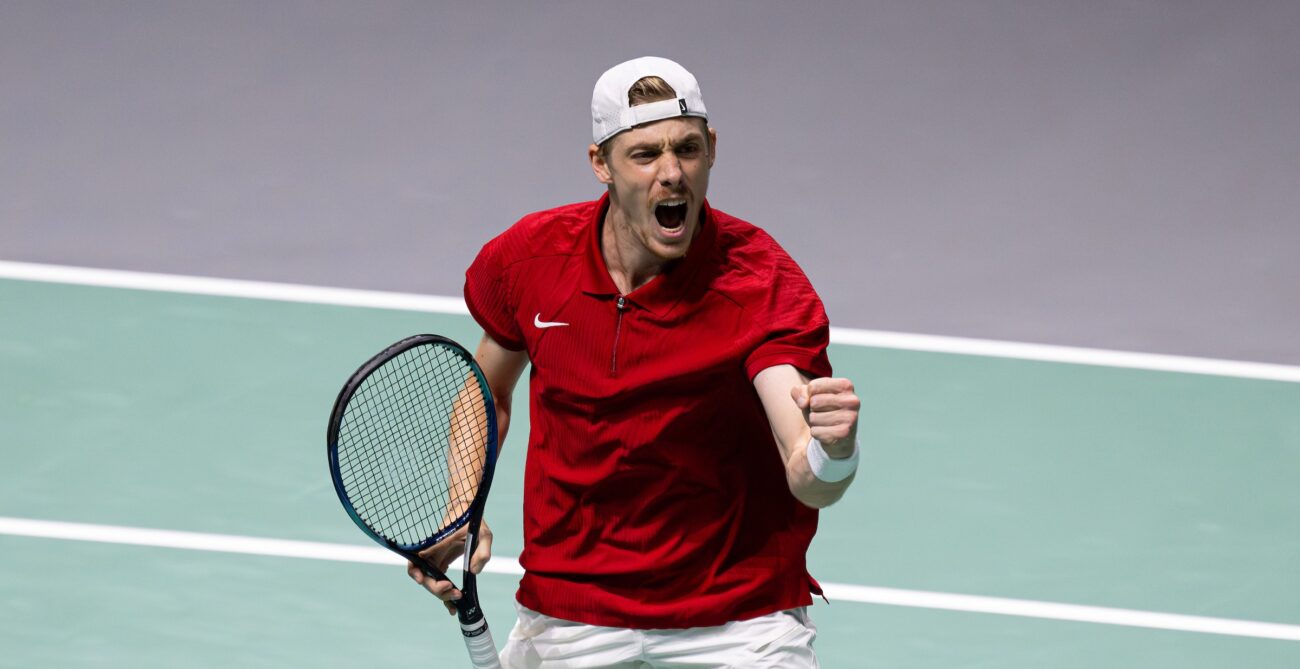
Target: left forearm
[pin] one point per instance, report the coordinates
(798, 410)
(805, 485)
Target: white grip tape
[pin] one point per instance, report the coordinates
(828, 469)
(482, 650)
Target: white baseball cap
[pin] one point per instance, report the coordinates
(610, 112)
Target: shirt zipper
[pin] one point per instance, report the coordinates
(618, 328)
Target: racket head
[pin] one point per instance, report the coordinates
(412, 443)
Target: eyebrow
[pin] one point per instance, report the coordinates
(693, 136)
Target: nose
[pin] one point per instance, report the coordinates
(670, 170)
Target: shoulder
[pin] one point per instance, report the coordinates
(749, 255)
(785, 314)
(550, 232)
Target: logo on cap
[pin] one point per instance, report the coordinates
(682, 104)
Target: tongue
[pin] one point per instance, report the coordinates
(671, 217)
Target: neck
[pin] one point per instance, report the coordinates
(630, 264)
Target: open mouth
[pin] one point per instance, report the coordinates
(671, 214)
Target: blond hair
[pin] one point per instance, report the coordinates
(649, 89)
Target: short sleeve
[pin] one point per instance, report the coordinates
(489, 298)
(795, 330)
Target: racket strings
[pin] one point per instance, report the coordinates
(401, 432)
(404, 480)
(400, 480)
(412, 444)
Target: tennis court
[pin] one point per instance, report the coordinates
(1108, 174)
(164, 465)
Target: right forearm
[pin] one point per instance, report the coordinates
(503, 422)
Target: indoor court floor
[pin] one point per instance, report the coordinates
(165, 464)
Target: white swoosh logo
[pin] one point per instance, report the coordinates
(537, 320)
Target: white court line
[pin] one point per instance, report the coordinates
(175, 283)
(260, 290)
(504, 565)
(1067, 354)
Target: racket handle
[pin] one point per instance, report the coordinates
(478, 640)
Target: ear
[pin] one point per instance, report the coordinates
(599, 166)
(713, 146)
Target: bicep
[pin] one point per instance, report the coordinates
(502, 367)
(786, 418)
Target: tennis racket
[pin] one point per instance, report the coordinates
(412, 445)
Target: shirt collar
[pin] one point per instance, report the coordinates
(663, 291)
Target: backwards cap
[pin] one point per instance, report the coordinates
(610, 111)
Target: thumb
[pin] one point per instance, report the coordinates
(482, 552)
(800, 395)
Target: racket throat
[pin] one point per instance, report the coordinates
(468, 611)
(471, 544)
(467, 608)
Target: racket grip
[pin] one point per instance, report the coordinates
(482, 649)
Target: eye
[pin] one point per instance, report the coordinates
(688, 149)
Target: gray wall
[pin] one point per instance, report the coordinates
(1107, 174)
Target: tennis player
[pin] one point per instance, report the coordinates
(685, 426)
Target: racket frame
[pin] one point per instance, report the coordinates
(468, 611)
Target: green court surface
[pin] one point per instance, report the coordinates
(1137, 490)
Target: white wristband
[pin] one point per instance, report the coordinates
(828, 469)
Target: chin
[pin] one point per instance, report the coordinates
(674, 255)
(669, 252)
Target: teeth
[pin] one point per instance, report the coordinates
(671, 203)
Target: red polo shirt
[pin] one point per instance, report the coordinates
(654, 494)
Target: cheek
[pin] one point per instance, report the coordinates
(631, 183)
(700, 177)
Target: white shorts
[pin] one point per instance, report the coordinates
(781, 640)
